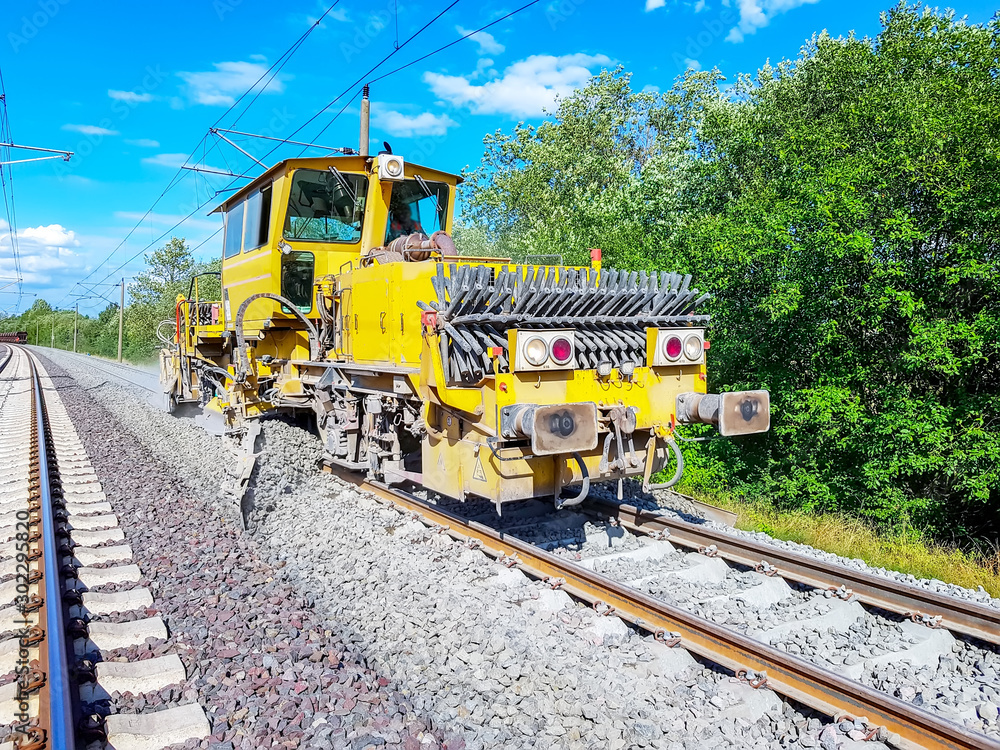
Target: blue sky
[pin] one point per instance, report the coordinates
(133, 88)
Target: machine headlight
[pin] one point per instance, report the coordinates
(603, 369)
(672, 348)
(626, 368)
(394, 168)
(693, 347)
(536, 351)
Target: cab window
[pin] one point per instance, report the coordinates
(258, 221)
(417, 206)
(297, 279)
(326, 207)
(234, 230)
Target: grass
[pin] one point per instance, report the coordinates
(905, 552)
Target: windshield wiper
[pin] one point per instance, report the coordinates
(344, 183)
(428, 192)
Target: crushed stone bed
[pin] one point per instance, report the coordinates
(263, 663)
(486, 656)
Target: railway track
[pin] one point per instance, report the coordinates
(593, 580)
(897, 722)
(65, 575)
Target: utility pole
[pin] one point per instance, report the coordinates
(121, 321)
(76, 315)
(36, 331)
(52, 339)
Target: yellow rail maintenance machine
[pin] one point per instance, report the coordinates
(344, 295)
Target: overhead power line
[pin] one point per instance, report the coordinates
(270, 74)
(366, 76)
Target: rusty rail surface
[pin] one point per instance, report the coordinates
(802, 681)
(49, 677)
(960, 616)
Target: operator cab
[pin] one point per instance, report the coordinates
(304, 219)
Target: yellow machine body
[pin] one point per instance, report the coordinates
(343, 295)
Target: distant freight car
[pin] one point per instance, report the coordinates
(18, 337)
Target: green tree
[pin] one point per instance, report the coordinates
(154, 292)
(842, 208)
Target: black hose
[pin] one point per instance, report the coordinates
(562, 502)
(243, 361)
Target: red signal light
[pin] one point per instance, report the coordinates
(562, 350)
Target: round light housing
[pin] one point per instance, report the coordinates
(562, 350)
(393, 168)
(693, 347)
(672, 348)
(536, 352)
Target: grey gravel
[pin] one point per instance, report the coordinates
(492, 659)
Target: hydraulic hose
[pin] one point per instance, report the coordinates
(243, 361)
(646, 485)
(562, 502)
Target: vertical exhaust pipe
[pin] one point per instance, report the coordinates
(365, 106)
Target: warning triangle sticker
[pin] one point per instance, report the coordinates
(478, 473)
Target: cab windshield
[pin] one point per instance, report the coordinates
(326, 206)
(417, 206)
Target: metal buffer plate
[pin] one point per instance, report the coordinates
(564, 428)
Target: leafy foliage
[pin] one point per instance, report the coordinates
(844, 210)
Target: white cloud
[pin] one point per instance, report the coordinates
(220, 86)
(90, 130)
(654, 4)
(692, 63)
(144, 143)
(525, 89)
(404, 126)
(130, 96)
(52, 235)
(756, 14)
(167, 160)
(488, 45)
(43, 251)
(699, 6)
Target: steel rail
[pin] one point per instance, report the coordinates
(787, 675)
(55, 697)
(120, 372)
(969, 618)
